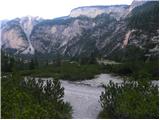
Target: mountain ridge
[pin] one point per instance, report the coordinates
(74, 36)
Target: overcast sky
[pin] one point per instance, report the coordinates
(10, 9)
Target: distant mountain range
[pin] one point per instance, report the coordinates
(117, 32)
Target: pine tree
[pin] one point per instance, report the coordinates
(53, 90)
(32, 65)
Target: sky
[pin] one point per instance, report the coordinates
(48, 9)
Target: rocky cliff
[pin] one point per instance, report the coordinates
(105, 31)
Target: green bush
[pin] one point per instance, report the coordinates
(33, 99)
(130, 100)
(79, 72)
(135, 68)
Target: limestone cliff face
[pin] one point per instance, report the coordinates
(27, 24)
(12, 36)
(16, 34)
(93, 11)
(101, 30)
(48, 38)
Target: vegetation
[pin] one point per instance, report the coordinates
(129, 53)
(83, 68)
(130, 100)
(32, 98)
(134, 68)
(145, 17)
(67, 71)
(136, 97)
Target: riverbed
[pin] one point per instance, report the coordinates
(84, 95)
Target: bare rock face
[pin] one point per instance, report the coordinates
(98, 30)
(93, 11)
(16, 34)
(74, 36)
(13, 37)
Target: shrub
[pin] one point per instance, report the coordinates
(130, 100)
(33, 99)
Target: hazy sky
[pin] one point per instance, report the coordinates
(10, 9)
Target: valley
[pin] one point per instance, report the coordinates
(98, 62)
(83, 95)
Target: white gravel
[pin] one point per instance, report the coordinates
(84, 95)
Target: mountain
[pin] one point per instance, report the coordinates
(117, 11)
(15, 34)
(119, 32)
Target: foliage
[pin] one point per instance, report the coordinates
(32, 98)
(85, 68)
(129, 53)
(7, 63)
(75, 71)
(31, 65)
(134, 68)
(130, 100)
(145, 17)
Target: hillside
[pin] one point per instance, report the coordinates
(102, 31)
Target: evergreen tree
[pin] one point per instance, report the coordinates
(92, 59)
(58, 59)
(31, 65)
(54, 91)
(36, 61)
(130, 100)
